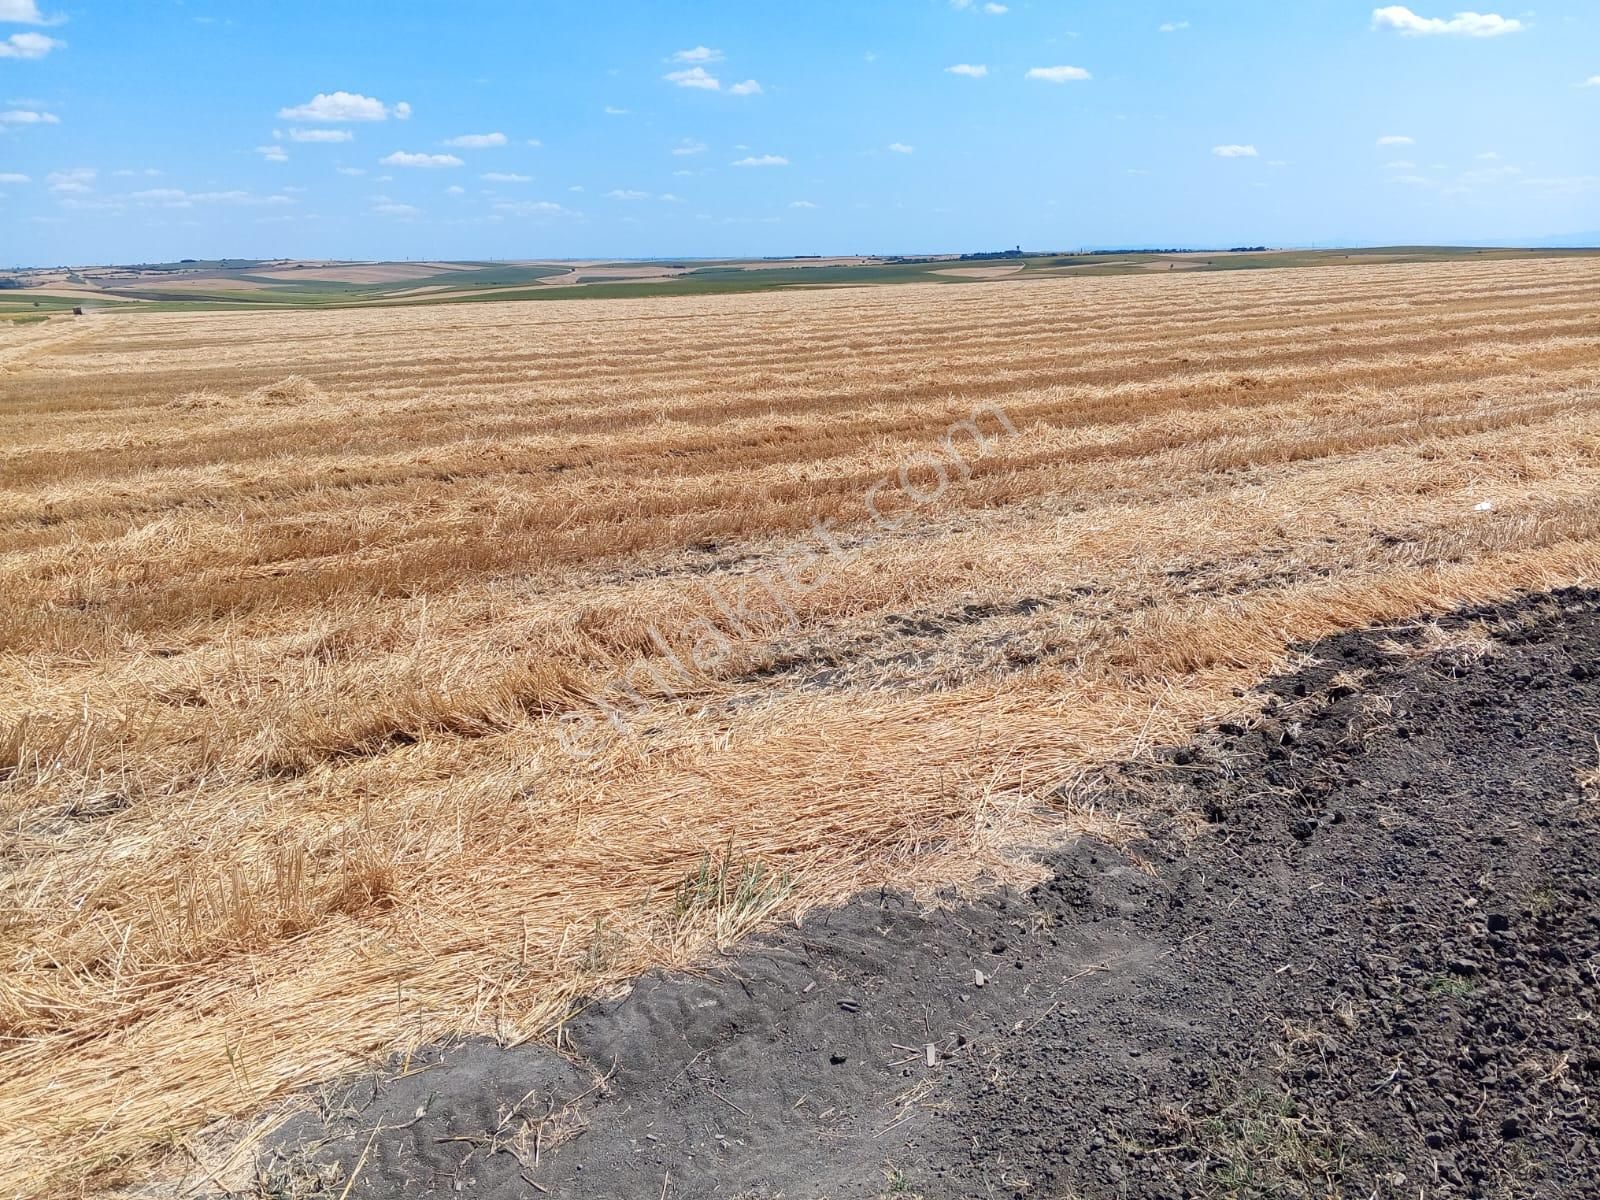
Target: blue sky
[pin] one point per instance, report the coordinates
(196, 128)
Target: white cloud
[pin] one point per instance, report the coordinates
(351, 170)
(748, 88)
(1396, 139)
(238, 197)
(455, 189)
(273, 154)
(694, 77)
(1172, 26)
(970, 70)
(477, 141)
(532, 208)
(1058, 74)
(1401, 164)
(24, 12)
(613, 111)
(534, 142)
(801, 204)
(690, 146)
(320, 135)
(1489, 156)
(1593, 81)
(13, 177)
(333, 107)
(1565, 185)
(404, 158)
(505, 177)
(995, 10)
(178, 198)
(1490, 174)
(901, 148)
(29, 45)
(1234, 151)
(391, 208)
(627, 194)
(669, 198)
(1463, 24)
(699, 54)
(28, 116)
(763, 160)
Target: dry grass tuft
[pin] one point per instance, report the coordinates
(499, 653)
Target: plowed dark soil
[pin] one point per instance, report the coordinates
(1354, 956)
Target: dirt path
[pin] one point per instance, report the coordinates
(1356, 956)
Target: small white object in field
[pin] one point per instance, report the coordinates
(1486, 506)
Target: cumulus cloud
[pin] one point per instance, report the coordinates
(335, 107)
(1234, 151)
(273, 153)
(694, 77)
(477, 141)
(762, 160)
(24, 12)
(1396, 139)
(13, 177)
(627, 194)
(28, 116)
(351, 170)
(901, 148)
(404, 158)
(532, 208)
(1593, 81)
(29, 45)
(1464, 24)
(1058, 74)
(689, 146)
(612, 110)
(392, 208)
(698, 54)
(1172, 26)
(801, 204)
(748, 88)
(320, 135)
(455, 189)
(505, 177)
(1564, 185)
(78, 179)
(970, 70)
(178, 198)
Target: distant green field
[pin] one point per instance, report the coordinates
(487, 281)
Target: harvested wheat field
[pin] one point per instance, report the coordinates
(368, 676)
